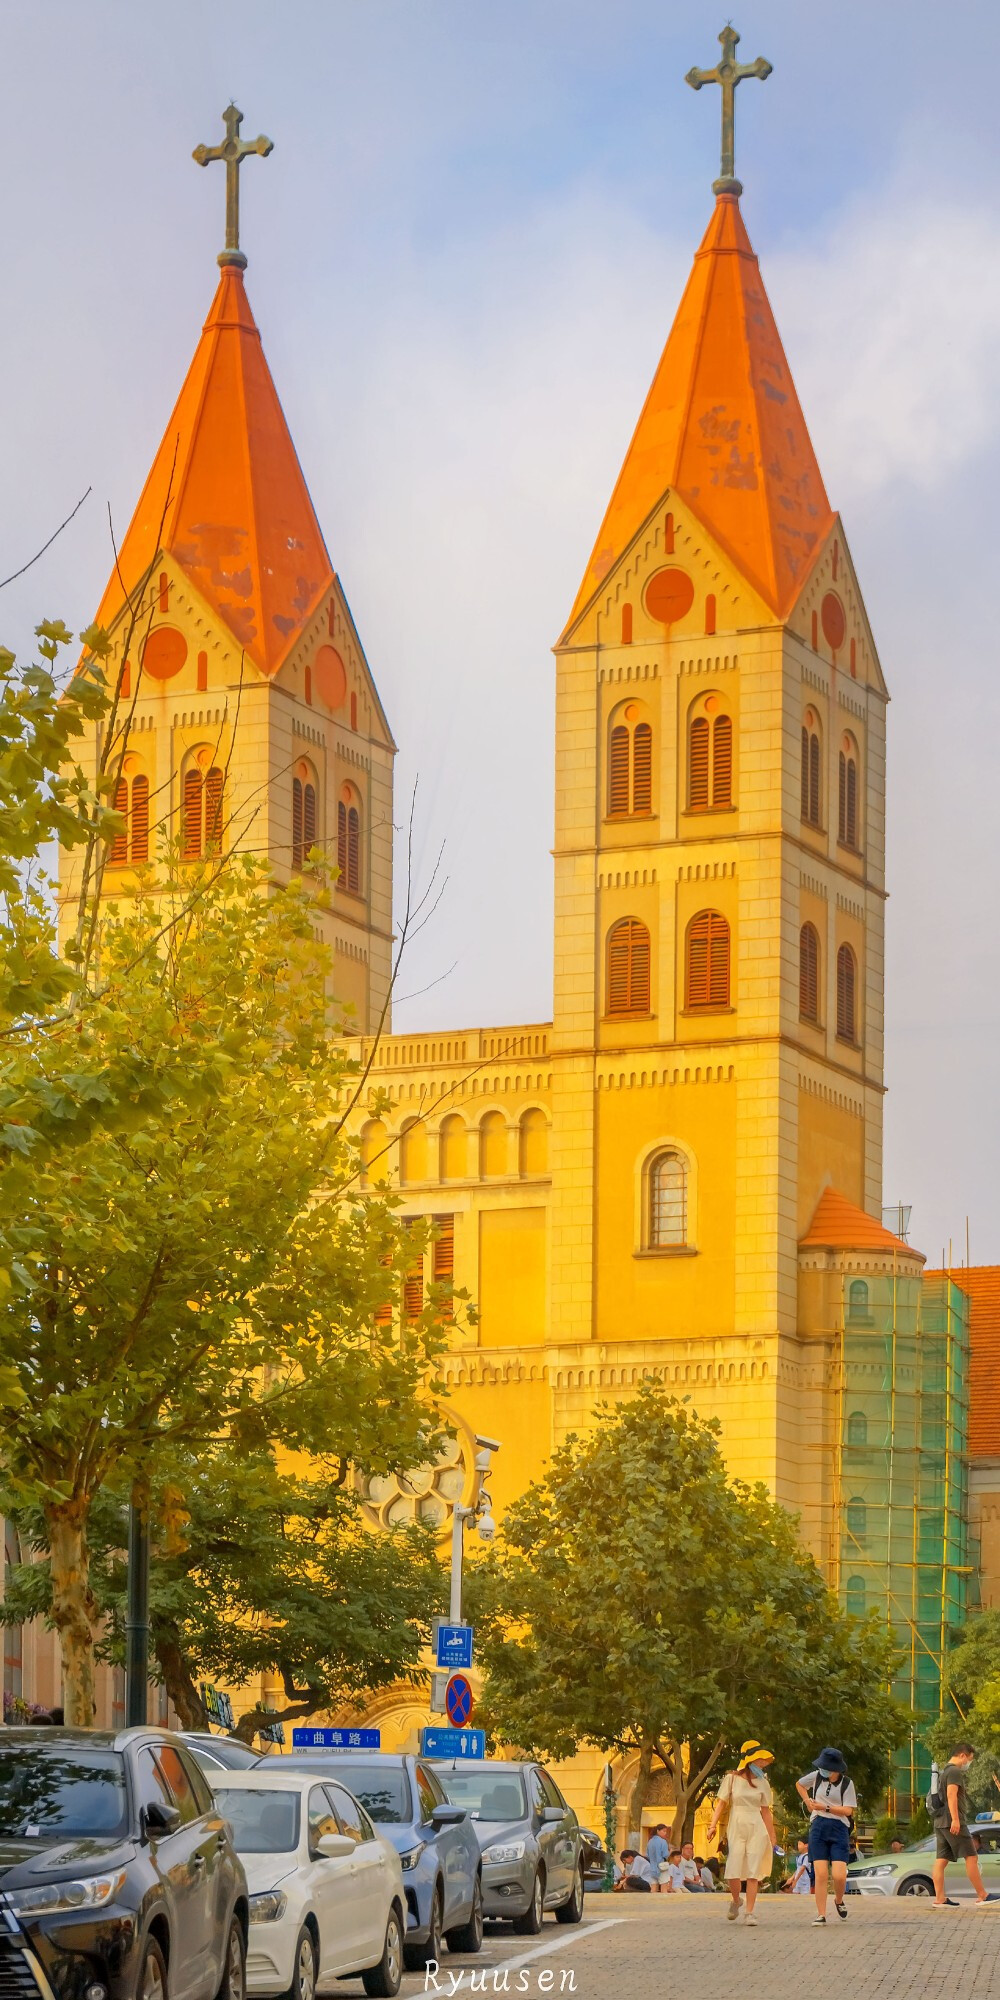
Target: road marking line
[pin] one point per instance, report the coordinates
(560, 1943)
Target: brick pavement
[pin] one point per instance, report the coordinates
(661, 1948)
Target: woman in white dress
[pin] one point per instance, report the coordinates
(750, 1834)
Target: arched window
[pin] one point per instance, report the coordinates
(132, 801)
(667, 1226)
(493, 1146)
(349, 843)
(811, 800)
(856, 1597)
(847, 980)
(710, 762)
(533, 1144)
(374, 1152)
(847, 828)
(857, 1519)
(630, 765)
(413, 1152)
(809, 973)
(857, 1301)
(628, 968)
(163, 591)
(303, 817)
(203, 812)
(119, 850)
(708, 961)
(857, 1428)
(453, 1156)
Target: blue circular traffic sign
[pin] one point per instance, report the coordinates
(458, 1700)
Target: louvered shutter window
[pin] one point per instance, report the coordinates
(139, 828)
(628, 968)
(192, 815)
(708, 960)
(342, 842)
(842, 800)
(383, 1312)
(722, 761)
(413, 1289)
(213, 810)
(845, 994)
(805, 774)
(809, 973)
(296, 822)
(668, 1202)
(119, 851)
(642, 769)
(814, 780)
(308, 821)
(698, 765)
(618, 771)
(353, 850)
(852, 803)
(443, 1261)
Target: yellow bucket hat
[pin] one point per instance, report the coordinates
(752, 1752)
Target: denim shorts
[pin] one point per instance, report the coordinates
(828, 1839)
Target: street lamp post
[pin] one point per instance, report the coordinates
(479, 1510)
(137, 1609)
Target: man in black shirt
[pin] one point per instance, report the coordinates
(951, 1828)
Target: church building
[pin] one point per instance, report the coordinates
(679, 1174)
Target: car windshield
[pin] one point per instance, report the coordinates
(62, 1791)
(486, 1794)
(384, 1793)
(263, 1822)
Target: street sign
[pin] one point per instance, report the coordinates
(336, 1739)
(458, 1701)
(218, 1706)
(454, 1646)
(453, 1742)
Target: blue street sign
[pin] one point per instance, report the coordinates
(336, 1739)
(458, 1701)
(454, 1646)
(453, 1742)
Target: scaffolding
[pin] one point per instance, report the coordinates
(901, 1535)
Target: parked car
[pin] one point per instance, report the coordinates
(435, 1841)
(909, 1873)
(530, 1839)
(595, 1858)
(220, 1753)
(115, 1864)
(326, 1889)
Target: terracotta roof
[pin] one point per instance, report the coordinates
(238, 517)
(723, 428)
(839, 1225)
(981, 1282)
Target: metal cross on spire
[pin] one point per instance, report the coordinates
(728, 73)
(234, 151)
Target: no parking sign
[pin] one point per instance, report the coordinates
(458, 1701)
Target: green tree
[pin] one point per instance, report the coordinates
(196, 1258)
(256, 1570)
(641, 1601)
(971, 1707)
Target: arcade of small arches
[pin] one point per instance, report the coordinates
(493, 1148)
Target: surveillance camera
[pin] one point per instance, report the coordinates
(488, 1444)
(486, 1528)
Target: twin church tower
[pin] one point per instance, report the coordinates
(681, 1173)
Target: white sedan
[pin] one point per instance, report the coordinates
(326, 1890)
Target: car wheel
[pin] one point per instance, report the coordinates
(233, 1984)
(416, 1956)
(153, 1975)
(531, 1923)
(469, 1936)
(916, 1885)
(383, 1979)
(571, 1910)
(305, 1976)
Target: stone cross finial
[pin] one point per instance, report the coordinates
(234, 151)
(728, 73)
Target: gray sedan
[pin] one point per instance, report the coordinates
(530, 1839)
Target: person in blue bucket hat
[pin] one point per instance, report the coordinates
(830, 1799)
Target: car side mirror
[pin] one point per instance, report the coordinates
(334, 1846)
(551, 1813)
(447, 1816)
(157, 1818)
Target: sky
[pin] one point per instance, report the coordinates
(465, 254)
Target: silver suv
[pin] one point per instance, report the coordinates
(530, 1838)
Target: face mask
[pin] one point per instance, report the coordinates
(827, 1776)
(758, 1770)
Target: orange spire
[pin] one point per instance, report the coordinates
(722, 428)
(228, 489)
(838, 1224)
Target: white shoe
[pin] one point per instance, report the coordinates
(751, 1917)
(734, 1910)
